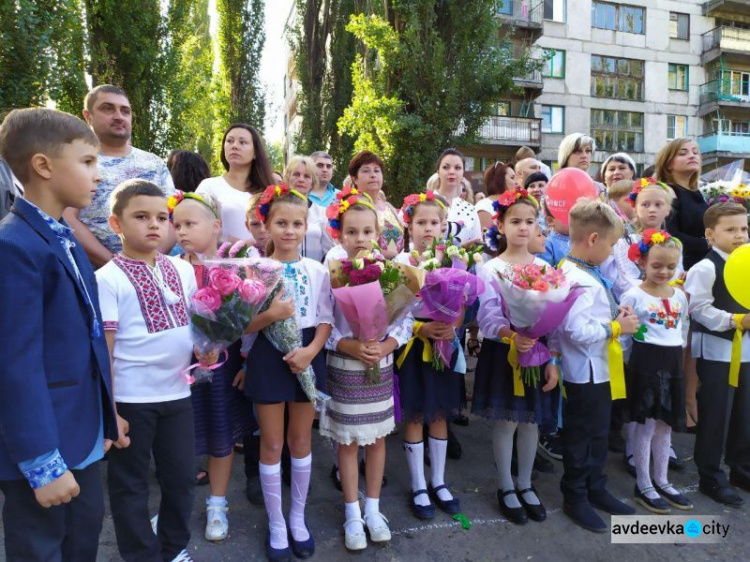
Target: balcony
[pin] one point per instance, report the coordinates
(726, 8)
(512, 131)
(732, 42)
(524, 15)
(723, 93)
(532, 80)
(723, 145)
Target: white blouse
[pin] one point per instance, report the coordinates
(664, 322)
(463, 221)
(234, 204)
(317, 241)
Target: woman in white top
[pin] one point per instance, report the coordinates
(247, 172)
(463, 221)
(498, 178)
(300, 174)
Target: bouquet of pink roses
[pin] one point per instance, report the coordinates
(220, 311)
(535, 300)
(374, 295)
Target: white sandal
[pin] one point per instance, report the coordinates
(355, 541)
(379, 530)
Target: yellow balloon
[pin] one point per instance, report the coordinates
(737, 275)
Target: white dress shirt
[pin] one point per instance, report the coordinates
(582, 337)
(699, 285)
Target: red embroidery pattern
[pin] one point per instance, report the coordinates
(156, 313)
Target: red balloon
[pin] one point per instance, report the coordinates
(565, 189)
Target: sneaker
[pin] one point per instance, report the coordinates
(355, 541)
(377, 526)
(551, 445)
(183, 557)
(217, 524)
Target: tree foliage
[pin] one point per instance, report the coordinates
(428, 77)
(323, 55)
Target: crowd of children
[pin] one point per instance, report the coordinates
(97, 359)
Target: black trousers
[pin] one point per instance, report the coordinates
(164, 429)
(68, 532)
(723, 416)
(586, 419)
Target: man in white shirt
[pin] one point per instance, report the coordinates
(716, 315)
(108, 112)
(582, 342)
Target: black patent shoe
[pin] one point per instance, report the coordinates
(451, 507)
(655, 505)
(515, 515)
(535, 512)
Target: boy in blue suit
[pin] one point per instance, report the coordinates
(55, 382)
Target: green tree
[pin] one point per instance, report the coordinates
(67, 83)
(428, 77)
(323, 55)
(127, 46)
(26, 38)
(237, 91)
(188, 87)
(275, 156)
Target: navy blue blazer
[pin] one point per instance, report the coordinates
(52, 369)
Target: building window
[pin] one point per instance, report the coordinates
(554, 10)
(554, 63)
(679, 25)
(506, 7)
(618, 17)
(678, 76)
(676, 126)
(501, 109)
(616, 131)
(730, 127)
(553, 119)
(616, 78)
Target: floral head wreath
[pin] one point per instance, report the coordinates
(509, 198)
(411, 201)
(651, 237)
(180, 196)
(344, 200)
(273, 192)
(640, 185)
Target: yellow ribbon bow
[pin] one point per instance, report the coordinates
(515, 365)
(736, 360)
(426, 351)
(616, 363)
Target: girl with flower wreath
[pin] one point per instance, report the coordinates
(361, 411)
(494, 395)
(656, 395)
(272, 380)
(428, 396)
(222, 414)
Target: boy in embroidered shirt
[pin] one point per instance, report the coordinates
(55, 399)
(583, 339)
(716, 316)
(144, 298)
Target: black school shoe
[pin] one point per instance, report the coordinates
(302, 549)
(535, 512)
(742, 482)
(423, 512)
(584, 516)
(655, 505)
(254, 491)
(607, 502)
(335, 478)
(722, 494)
(451, 507)
(515, 515)
(277, 554)
(677, 500)
(629, 468)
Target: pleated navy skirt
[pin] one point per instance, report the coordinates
(269, 380)
(223, 415)
(493, 388)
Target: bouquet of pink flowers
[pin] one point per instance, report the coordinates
(220, 311)
(535, 300)
(374, 295)
(448, 289)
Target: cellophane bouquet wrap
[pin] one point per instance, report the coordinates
(448, 289)
(729, 183)
(221, 310)
(536, 299)
(374, 295)
(286, 336)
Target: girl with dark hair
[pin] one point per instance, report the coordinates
(247, 172)
(188, 169)
(497, 178)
